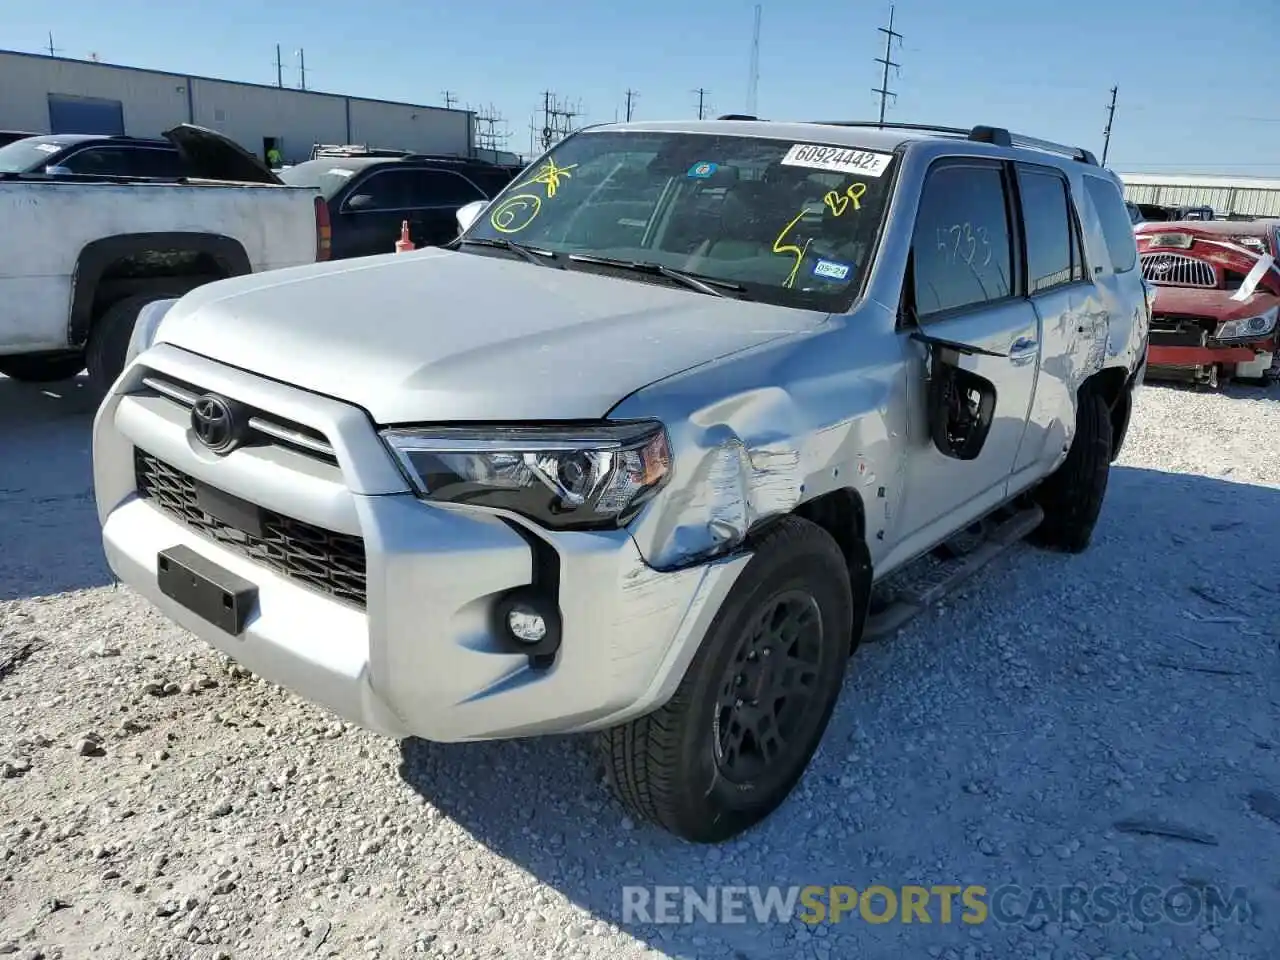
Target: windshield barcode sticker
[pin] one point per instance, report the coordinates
(837, 159)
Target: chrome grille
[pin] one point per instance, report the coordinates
(326, 561)
(265, 427)
(1177, 270)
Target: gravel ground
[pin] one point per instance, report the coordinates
(1112, 718)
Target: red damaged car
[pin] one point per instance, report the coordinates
(1217, 298)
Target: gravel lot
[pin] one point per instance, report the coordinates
(155, 803)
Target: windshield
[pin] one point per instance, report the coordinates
(329, 176)
(27, 156)
(793, 224)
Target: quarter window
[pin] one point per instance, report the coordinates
(1116, 228)
(1053, 248)
(442, 188)
(961, 252)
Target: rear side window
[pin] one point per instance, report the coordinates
(1116, 228)
(961, 252)
(441, 188)
(1053, 247)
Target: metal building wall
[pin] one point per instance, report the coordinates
(248, 114)
(152, 102)
(1241, 199)
(423, 129)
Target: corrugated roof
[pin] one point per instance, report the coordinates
(1199, 180)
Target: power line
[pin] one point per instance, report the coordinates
(1106, 134)
(702, 103)
(883, 90)
(631, 98)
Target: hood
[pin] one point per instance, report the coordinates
(1217, 304)
(438, 336)
(214, 157)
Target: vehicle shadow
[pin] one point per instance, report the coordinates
(49, 537)
(961, 749)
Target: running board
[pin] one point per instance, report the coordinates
(920, 584)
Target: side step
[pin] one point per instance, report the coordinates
(911, 590)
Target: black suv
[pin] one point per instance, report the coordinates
(83, 153)
(370, 196)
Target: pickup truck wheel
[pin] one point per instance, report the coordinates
(109, 339)
(41, 368)
(739, 731)
(1072, 496)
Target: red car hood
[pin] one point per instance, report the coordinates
(1197, 302)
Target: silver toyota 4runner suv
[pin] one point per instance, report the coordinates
(629, 454)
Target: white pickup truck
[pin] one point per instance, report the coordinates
(81, 256)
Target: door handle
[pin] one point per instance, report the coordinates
(1024, 348)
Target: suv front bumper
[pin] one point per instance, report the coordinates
(415, 654)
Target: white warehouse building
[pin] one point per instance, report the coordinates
(44, 94)
(1247, 196)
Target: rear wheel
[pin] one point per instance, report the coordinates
(1072, 495)
(738, 733)
(42, 367)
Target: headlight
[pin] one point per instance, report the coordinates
(589, 477)
(146, 327)
(1248, 328)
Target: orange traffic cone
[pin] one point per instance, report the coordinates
(404, 244)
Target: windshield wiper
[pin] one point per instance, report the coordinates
(706, 285)
(532, 254)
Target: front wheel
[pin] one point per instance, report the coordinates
(109, 339)
(738, 733)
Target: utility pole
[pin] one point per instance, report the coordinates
(702, 103)
(631, 99)
(1106, 134)
(449, 99)
(889, 35)
(279, 68)
(302, 68)
(53, 51)
(753, 75)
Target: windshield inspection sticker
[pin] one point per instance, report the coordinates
(837, 159)
(48, 147)
(700, 171)
(831, 270)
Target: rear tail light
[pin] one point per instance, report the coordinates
(324, 231)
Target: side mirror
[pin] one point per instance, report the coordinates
(361, 201)
(960, 404)
(469, 214)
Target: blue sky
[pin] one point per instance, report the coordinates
(1039, 67)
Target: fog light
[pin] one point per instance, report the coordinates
(526, 625)
(527, 620)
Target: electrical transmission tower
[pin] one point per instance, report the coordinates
(889, 36)
(557, 120)
(491, 131)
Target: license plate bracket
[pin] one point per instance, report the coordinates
(206, 589)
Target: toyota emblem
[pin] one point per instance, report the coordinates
(213, 421)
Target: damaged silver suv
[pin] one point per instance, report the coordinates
(630, 454)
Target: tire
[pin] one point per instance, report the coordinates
(42, 367)
(671, 766)
(109, 339)
(1072, 495)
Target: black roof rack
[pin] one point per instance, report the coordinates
(997, 136)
